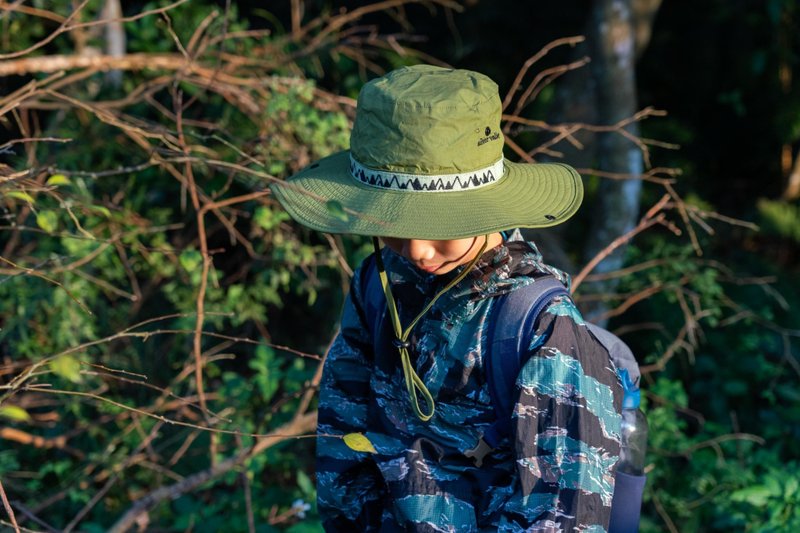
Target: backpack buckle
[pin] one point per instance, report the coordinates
(479, 452)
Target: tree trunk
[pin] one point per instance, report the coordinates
(116, 43)
(616, 208)
(617, 34)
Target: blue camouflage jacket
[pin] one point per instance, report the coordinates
(554, 472)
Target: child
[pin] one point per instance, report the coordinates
(425, 173)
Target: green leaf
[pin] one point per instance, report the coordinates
(756, 495)
(190, 260)
(20, 195)
(791, 487)
(359, 443)
(15, 413)
(101, 209)
(268, 373)
(305, 527)
(335, 208)
(47, 220)
(67, 367)
(305, 484)
(57, 179)
(268, 219)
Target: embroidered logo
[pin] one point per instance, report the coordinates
(488, 136)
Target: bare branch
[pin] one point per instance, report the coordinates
(8, 508)
(66, 26)
(293, 429)
(652, 217)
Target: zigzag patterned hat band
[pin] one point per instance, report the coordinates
(426, 162)
(398, 181)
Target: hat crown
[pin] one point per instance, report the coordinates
(428, 120)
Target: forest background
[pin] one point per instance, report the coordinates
(162, 321)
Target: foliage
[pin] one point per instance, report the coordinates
(102, 260)
(781, 218)
(106, 261)
(721, 412)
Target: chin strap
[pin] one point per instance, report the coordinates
(414, 383)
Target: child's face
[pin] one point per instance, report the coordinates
(440, 257)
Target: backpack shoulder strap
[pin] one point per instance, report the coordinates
(515, 318)
(372, 296)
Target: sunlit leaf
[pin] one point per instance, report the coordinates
(20, 195)
(101, 209)
(67, 367)
(359, 443)
(47, 220)
(304, 482)
(756, 495)
(15, 413)
(268, 219)
(57, 179)
(190, 260)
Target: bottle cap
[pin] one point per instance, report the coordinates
(631, 394)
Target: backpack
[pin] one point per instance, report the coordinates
(514, 319)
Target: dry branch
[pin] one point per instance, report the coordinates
(95, 63)
(59, 443)
(300, 425)
(68, 26)
(652, 217)
(7, 507)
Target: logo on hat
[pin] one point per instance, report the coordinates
(488, 136)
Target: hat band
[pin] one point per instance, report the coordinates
(465, 181)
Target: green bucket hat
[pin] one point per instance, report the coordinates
(426, 162)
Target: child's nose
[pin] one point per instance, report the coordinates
(418, 250)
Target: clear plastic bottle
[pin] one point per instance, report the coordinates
(633, 443)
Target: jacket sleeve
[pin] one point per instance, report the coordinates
(350, 489)
(565, 428)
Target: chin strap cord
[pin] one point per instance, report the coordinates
(414, 383)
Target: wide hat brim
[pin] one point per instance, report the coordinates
(325, 196)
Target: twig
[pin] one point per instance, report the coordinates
(67, 27)
(571, 41)
(295, 428)
(638, 297)
(602, 276)
(673, 348)
(682, 210)
(112, 479)
(713, 442)
(649, 176)
(543, 79)
(59, 443)
(651, 218)
(19, 528)
(663, 514)
(248, 494)
(161, 418)
(339, 255)
(33, 272)
(8, 508)
(16, 504)
(27, 10)
(33, 140)
(201, 228)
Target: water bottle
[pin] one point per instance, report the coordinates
(633, 442)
